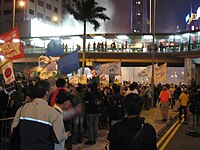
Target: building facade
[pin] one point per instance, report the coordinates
(193, 17)
(48, 11)
(140, 15)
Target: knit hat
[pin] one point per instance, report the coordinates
(63, 96)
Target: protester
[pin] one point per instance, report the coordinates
(121, 134)
(61, 85)
(62, 103)
(93, 101)
(176, 94)
(78, 119)
(183, 99)
(193, 111)
(164, 99)
(116, 109)
(132, 89)
(40, 125)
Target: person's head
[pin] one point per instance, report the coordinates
(116, 89)
(133, 104)
(63, 99)
(41, 89)
(164, 88)
(133, 86)
(60, 82)
(94, 86)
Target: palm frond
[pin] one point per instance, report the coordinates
(95, 24)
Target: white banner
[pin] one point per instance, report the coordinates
(111, 68)
(8, 73)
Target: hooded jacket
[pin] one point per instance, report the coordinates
(121, 134)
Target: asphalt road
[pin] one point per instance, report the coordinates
(184, 141)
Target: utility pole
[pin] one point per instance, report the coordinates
(153, 51)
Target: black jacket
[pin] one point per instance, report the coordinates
(121, 134)
(90, 105)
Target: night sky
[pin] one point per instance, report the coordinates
(171, 13)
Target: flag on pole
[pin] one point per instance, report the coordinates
(8, 73)
(160, 73)
(10, 45)
(54, 48)
(142, 73)
(69, 63)
(149, 70)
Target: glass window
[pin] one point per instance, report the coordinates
(32, 1)
(19, 10)
(39, 15)
(31, 11)
(48, 18)
(48, 6)
(7, 12)
(7, 1)
(55, 10)
(40, 3)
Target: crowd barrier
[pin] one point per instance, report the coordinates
(5, 132)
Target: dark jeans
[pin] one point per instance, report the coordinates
(92, 126)
(183, 109)
(78, 128)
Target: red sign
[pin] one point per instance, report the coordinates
(10, 45)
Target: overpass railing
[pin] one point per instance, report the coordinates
(135, 42)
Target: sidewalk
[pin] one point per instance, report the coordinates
(152, 116)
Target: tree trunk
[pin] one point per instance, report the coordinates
(83, 53)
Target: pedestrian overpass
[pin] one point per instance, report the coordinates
(132, 49)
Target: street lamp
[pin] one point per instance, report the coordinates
(21, 4)
(55, 19)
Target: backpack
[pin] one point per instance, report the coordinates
(96, 101)
(195, 104)
(117, 110)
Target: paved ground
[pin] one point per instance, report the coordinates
(152, 116)
(183, 140)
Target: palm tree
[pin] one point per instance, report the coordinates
(87, 11)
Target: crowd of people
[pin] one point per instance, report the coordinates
(56, 113)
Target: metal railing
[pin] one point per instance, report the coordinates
(5, 128)
(133, 42)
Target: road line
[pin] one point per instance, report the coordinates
(171, 136)
(166, 134)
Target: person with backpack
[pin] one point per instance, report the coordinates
(116, 107)
(193, 111)
(93, 105)
(132, 133)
